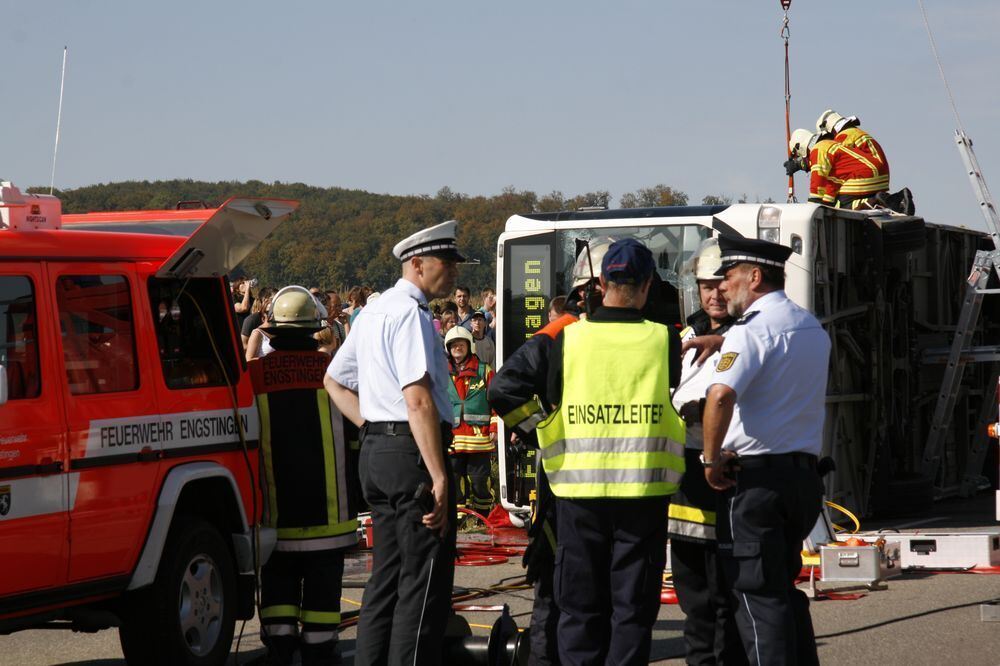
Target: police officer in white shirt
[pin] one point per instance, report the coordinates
(391, 379)
(763, 431)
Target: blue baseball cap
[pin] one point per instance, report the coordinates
(627, 261)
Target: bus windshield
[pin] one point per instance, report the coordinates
(539, 268)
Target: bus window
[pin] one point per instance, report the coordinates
(673, 247)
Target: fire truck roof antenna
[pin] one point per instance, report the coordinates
(55, 150)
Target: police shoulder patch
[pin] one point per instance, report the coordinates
(726, 361)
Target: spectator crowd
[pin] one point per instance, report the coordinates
(252, 303)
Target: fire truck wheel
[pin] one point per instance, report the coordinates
(188, 615)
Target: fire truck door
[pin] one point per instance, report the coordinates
(34, 485)
(115, 431)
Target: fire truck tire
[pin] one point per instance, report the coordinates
(188, 615)
(902, 236)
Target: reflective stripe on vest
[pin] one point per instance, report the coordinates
(474, 410)
(478, 441)
(615, 433)
(688, 521)
(694, 531)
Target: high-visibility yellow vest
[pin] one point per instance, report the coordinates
(615, 433)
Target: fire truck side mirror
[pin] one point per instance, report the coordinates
(3, 384)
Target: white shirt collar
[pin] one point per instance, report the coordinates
(411, 290)
(765, 301)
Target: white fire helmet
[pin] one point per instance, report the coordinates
(459, 333)
(581, 272)
(800, 142)
(708, 260)
(827, 121)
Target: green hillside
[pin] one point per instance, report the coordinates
(342, 237)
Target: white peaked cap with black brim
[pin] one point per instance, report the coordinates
(437, 241)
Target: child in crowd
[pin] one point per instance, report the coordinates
(475, 427)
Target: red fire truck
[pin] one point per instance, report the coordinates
(128, 428)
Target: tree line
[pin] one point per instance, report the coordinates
(341, 237)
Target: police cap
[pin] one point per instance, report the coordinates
(750, 251)
(437, 241)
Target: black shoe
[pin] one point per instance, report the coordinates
(906, 202)
(899, 202)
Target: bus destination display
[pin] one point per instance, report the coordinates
(530, 290)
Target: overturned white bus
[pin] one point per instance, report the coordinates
(888, 289)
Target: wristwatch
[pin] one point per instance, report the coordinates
(707, 463)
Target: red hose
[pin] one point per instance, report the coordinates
(481, 554)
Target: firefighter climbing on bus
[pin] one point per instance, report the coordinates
(847, 167)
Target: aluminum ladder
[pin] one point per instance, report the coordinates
(985, 263)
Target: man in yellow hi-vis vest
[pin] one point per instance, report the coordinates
(306, 481)
(613, 452)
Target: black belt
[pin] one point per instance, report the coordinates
(397, 428)
(778, 461)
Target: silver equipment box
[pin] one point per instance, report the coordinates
(956, 550)
(859, 564)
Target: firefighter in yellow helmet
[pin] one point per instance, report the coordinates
(305, 477)
(474, 425)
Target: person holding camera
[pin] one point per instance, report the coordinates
(243, 297)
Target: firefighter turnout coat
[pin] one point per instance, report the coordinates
(851, 167)
(692, 508)
(472, 417)
(304, 453)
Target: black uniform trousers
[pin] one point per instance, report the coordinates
(302, 586)
(608, 577)
(710, 633)
(407, 600)
(762, 522)
(711, 637)
(539, 559)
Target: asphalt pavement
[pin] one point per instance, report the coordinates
(920, 618)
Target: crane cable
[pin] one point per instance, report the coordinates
(937, 59)
(785, 34)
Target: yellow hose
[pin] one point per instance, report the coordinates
(854, 519)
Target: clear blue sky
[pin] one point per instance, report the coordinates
(406, 97)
